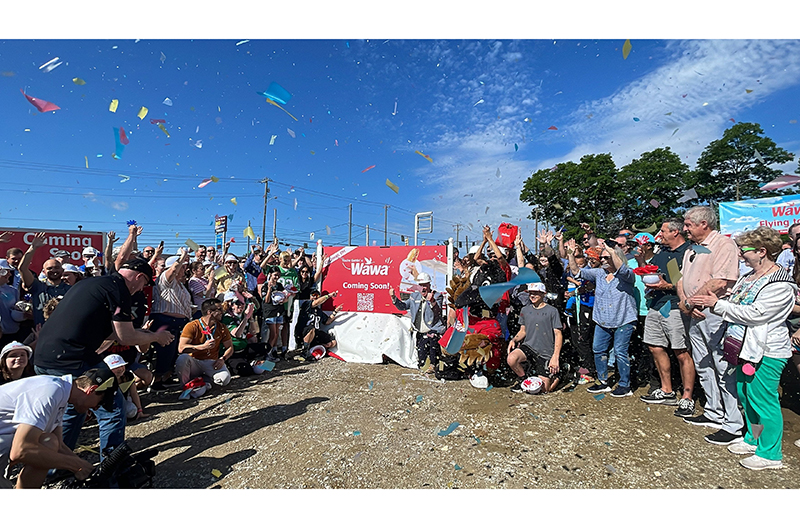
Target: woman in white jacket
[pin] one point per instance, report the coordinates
(758, 339)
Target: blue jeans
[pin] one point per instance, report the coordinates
(621, 337)
(166, 355)
(110, 423)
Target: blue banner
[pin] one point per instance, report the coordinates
(777, 212)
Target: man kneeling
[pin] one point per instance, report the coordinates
(200, 346)
(538, 341)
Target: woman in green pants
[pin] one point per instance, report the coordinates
(757, 338)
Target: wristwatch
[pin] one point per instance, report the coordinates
(687, 305)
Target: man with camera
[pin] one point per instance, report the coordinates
(31, 413)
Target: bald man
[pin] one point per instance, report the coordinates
(41, 291)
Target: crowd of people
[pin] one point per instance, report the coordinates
(690, 313)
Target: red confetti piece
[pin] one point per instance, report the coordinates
(368, 168)
(122, 137)
(40, 104)
(157, 121)
(552, 128)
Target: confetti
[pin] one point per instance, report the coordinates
(700, 250)
(392, 186)
(163, 128)
(497, 174)
(419, 399)
(276, 92)
(626, 49)
(120, 147)
(654, 203)
(311, 236)
(336, 142)
(636, 119)
(456, 466)
(705, 104)
(368, 168)
(552, 128)
(356, 433)
(214, 179)
(167, 101)
(218, 120)
(7, 73)
(291, 132)
(780, 182)
(273, 103)
(113, 106)
(477, 439)
(248, 232)
(327, 230)
(217, 473)
(673, 271)
(295, 204)
(664, 311)
(242, 42)
(142, 112)
(479, 102)
(198, 143)
(424, 156)
(748, 91)
(78, 81)
(675, 132)
(87, 161)
(122, 137)
(163, 57)
(267, 365)
(668, 114)
(49, 66)
(40, 104)
(690, 194)
(204, 183)
(516, 147)
(191, 244)
(272, 140)
(450, 428)
(599, 397)
(233, 201)
(124, 178)
(371, 384)
(759, 158)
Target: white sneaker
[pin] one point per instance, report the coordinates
(756, 463)
(740, 447)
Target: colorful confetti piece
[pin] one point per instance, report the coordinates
(599, 397)
(78, 81)
(450, 428)
(392, 186)
(217, 473)
(233, 201)
(552, 128)
(167, 101)
(142, 112)
(291, 132)
(424, 156)
(163, 129)
(40, 104)
(356, 433)
(626, 49)
(204, 183)
(368, 168)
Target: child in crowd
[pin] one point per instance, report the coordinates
(133, 405)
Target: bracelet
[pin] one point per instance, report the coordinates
(138, 410)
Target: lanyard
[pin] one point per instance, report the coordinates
(208, 332)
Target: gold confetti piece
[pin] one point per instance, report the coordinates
(78, 81)
(162, 127)
(87, 161)
(214, 179)
(217, 473)
(748, 91)
(392, 186)
(673, 271)
(142, 112)
(424, 156)
(273, 103)
(626, 49)
(113, 106)
(177, 235)
(233, 201)
(248, 232)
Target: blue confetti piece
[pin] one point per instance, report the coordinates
(370, 385)
(419, 399)
(119, 146)
(492, 293)
(534, 415)
(599, 397)
(457, 467)
(488, 388)
(700, 250)
(516, 147)
(477, 439)
(607, 443)
(356, 433)
(277, 93)
(185, 394)
(450, 428)
(267, 365)
(347, 44)
(664, 311)
(99, 155)
(636, 119)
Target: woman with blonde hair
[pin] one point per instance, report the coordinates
(757, 342)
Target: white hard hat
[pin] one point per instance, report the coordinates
(423, 278)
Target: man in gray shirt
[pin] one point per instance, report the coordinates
(538, 341)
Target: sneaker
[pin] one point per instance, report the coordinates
(702, 420)
(740, 447)
(722, 437)
(598, 388)
(756, 463)
(621, 392)
(517, 386)
(658, 396)
(685, 408)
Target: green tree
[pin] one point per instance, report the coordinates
(729, 169)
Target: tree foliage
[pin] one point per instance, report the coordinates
(729, 169)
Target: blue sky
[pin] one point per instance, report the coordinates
(480, 108)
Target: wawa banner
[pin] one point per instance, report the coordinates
(777, 212)
(362, 275)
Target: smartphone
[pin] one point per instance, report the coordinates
(161, 243)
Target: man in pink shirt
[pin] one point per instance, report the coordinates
(710, 265)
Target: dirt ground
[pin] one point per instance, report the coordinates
(344, 425)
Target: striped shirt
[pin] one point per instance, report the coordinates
(198, 288)
(171, 297)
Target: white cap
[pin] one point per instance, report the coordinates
(230, 257)
(230, 296)
(171, 260)
(114, 360)
(5, 265)
(473, 250)
(14, 345)
(89, 251)
(423, 278)
(537, 287)
(71, 268)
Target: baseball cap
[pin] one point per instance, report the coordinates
(141, 266)
(473, 250)
(14, 345)
(230, 257)
(171, 260)
(89, 251)
(106, 383)
(537, 287)
(644, 238)
(5, 265)
(71, 268)
(114, 360)
(61, 253)
(423, 278)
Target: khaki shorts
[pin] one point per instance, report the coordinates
(666, 332)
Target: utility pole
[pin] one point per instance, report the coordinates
(350, 225)
(265, 181)
(385, 224)
(367, 235)
(274, 224)
(458, 230)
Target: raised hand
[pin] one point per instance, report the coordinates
(112, 237)
(5, 237)
(38, 240)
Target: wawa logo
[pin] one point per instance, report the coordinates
(366, 266)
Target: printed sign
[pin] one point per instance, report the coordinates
(777, 212)
(363, 275)
(71, 241)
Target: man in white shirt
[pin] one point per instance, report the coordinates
(31, 411)
(786, 258)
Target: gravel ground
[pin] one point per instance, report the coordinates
(344, 425)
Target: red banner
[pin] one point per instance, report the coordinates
(71, 241)
(363, 275)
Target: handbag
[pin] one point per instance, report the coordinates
(731, 348)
